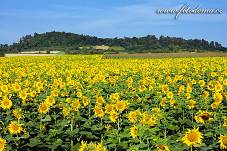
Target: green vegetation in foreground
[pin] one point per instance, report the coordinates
(71, 43)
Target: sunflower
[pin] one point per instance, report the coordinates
(225, 122)
(114, 97)
(189, 89)
(191, 104)
(17, 113)
(142, 88)
(15, 128)
(43, 108)
(165, 88)
(16, 87)
(202, 83)
(129, 82)
(83, 146)
(33, 94)
(39, 85)
(192, 137)
(145, 118)
(188, 95)
(113, 116)
(213, 74)
(132, 116)
(2, 144)
(214, 105)
(85, 101)
(173, 103)
(152, 121)
(169, 95)
(65, 111)
(134, 131)
(99, 100)
(65, 94)
(163, 102)
(206, 94)
(109, 108)
(223, 141)
(54, 93)
(225, 82)
(162, 147)
(218, 87)
(75, 105)
(99, 147)
(50, 101)
(156, 111)
(181, 89)
(4, 88)
(23, 95)
(218, 97)
(98, 111)
(6, 103)
(203, 116)
(121, 105)
(79, 94)
(210, 85)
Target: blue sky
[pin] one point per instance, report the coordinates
(110, 18)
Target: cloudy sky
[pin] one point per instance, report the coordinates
(110, 18)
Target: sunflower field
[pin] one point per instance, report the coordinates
(88, 103)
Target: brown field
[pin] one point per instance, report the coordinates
(167, 55)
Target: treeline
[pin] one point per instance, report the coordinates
(70, 42)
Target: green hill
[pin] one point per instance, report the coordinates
(72, 43)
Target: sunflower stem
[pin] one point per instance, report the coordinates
(165, 133)
(183, 119)
(191, 149)
(40, 123)
(118, 128)
(148, 144)
(71, 128)
(89, 110)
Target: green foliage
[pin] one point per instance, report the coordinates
(2, 54)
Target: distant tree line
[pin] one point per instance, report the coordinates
(70, 42)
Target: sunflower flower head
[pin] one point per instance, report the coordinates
(225, 122)
(162, 147)
(134, 131)
(191, 104)
(6, 103)
(18, 114)
(121, 105)
(223, 141)
(113, 116)
(83, 146)
(50, 100)
(43, 108)
(192, 137)
(15, 128)
(132, 116)
(2, 144)
(85, 101)
(75, 105)
(98, 111)
(203, 117)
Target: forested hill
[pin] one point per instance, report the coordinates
(70, 41)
